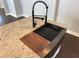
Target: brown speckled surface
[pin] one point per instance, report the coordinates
(10, 43)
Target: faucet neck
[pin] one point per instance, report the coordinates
(39, 16)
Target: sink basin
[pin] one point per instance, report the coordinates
(49, 31)
(44, 40)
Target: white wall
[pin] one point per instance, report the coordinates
(24, 7)
(27, 7)
(18, 7)
(11, 6)
(69, 14)
(1, 4)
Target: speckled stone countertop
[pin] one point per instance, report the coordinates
(10, 34)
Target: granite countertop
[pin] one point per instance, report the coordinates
(10, 34)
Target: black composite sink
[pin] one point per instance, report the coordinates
(49, 31)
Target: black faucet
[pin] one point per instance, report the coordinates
(42, 17)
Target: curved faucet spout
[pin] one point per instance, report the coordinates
(39, 16)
